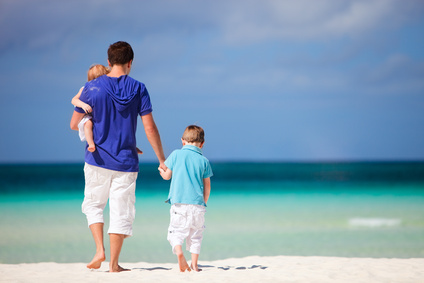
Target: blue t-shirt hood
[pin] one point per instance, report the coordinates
(122, 90)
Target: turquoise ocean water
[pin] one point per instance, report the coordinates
(311, 209)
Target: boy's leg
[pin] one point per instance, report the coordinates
(99, 257)
(194, 259)
(182, 262)
(88, 131)
(195, 237)
(178, 230)
(194, 241)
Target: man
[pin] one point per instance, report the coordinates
(111, 170)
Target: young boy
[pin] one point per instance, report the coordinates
(188, 195)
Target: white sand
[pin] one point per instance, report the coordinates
(248, 269)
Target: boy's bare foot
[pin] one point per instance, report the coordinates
(118, 269)
(183, 263)
(195, 268)
(97, 261)
(91, 148)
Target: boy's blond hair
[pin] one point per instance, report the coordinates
(194, 133)
(96, 71)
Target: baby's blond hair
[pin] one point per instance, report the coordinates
(194, 133)
(96, 71)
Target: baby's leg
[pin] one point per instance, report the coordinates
(88, 131)
(181, 259)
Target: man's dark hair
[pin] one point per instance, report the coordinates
(120, 53)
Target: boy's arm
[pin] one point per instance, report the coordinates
(206, 189)
(78, 103)
(166, 175)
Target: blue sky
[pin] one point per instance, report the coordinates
(282, 80)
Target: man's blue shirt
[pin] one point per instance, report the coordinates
(116, 104)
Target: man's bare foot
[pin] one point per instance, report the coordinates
(91, 148)
(97, 261)
(195, 268)
(118, 269)
(183, 263)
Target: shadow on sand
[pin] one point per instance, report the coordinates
(242, 267)
(151, 268)
(203, 267)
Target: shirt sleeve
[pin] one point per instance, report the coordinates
(83, 98)
(79, 110)
(146, 105)
(208, 170)
(170, 161)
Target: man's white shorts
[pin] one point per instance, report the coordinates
(81, 127)
(119, 187)
(187, 222)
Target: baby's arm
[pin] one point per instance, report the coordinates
(206, 189)
(166, 175)
(78, 103)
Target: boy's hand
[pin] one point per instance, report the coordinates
(165, 174)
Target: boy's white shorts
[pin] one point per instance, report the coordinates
(81, 127)
(187, 222)
(119, 187)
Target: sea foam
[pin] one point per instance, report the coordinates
(374, 222)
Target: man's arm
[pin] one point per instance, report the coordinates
(76, 118)
(206, 189)
(152, 134)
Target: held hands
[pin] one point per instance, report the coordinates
(165, 174)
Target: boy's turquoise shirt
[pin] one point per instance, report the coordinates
(189, 167)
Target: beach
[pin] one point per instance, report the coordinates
(247, 269)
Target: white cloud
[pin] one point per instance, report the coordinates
(34, 23)
(321, 19)
(397, 74)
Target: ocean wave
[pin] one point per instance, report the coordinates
(374, 222)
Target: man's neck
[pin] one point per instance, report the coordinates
(117, 71)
